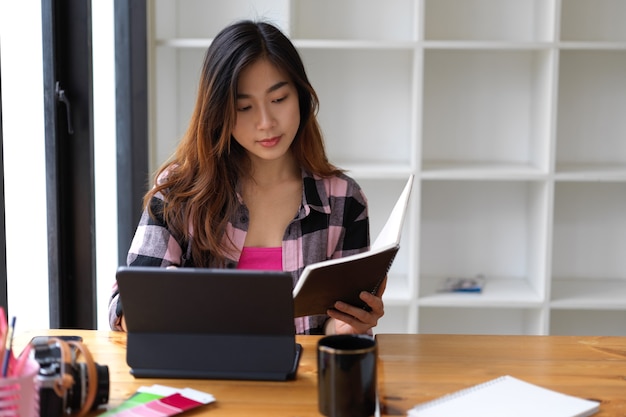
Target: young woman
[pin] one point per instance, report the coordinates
(249, 185)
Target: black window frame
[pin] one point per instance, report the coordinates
(131, 67)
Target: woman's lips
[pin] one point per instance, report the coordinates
(269, 142)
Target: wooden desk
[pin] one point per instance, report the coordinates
(412, 369)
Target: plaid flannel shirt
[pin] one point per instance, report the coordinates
(332, 223)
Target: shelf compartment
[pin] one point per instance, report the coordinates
(598, 20)
(204, 19)
(354, 19)
(493, 20)
(588, 323)
(497, 292)
(395, 320)
(589, 233)
(172, 102)
(591, 126)
(591, 294)
(376, 88)
(493, 228)
(507, 321)
(487, 106)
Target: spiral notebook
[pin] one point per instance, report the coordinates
(323, 283)
(506, 396)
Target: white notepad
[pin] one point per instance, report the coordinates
(506, 396)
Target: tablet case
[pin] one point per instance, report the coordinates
(209, 323)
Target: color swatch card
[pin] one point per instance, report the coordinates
(160, 400)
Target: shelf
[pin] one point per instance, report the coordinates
(589, 230)
(481, 320)
(203, 19)
(588, 322)
(591, 126)
(593, 46)
(590, 172)
(511, 116)
(177, 78)
(204, 43)
(480, 171)
(487, 45)
(410, 45)
(588, 294)
(190, 43)
(354, 19)
(497, 292)
(499, 100)
(364, 171)
(496, 229)
(387, 97)
(354, 44)
(395, 320)
(510, 20)
(598, 20)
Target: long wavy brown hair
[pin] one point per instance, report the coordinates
(199, 181)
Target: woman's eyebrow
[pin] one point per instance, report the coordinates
(269, 90)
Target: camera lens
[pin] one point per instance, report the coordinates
(77, 395)
(102, 392)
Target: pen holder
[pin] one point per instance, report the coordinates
(19, 395)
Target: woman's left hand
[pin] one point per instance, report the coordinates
(349, 319)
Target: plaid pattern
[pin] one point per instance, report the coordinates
(332, 223)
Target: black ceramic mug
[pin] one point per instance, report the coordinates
(346, 366)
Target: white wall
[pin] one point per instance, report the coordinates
(24, 159)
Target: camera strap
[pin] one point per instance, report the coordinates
(66, 381)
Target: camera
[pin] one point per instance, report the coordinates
(68, 385)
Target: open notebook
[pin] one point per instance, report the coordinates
(323, 283)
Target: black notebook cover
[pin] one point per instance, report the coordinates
(343, 281)
(323, 283)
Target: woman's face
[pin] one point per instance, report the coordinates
(267, 111)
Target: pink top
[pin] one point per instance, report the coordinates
(267, 259)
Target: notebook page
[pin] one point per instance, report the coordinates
(506, 396)
(391, 231)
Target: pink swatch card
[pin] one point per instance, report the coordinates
(143, 395)
(171, 405)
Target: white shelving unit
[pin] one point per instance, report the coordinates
(510, 113)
